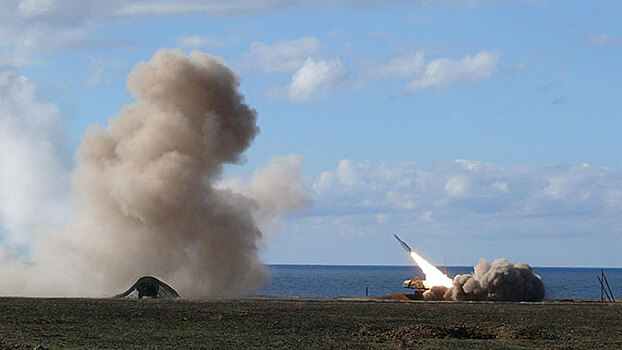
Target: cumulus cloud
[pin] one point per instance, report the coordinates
(467, 198)
(312, 76)
(446, 71)
(346, 173)
(355, 188)
(316, 77)
(281, 56)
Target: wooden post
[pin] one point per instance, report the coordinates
(613, 299)
(603, 288)
(366, 291)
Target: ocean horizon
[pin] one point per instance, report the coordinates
(301, 280)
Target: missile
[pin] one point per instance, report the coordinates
(406, 247)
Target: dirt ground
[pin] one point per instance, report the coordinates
(273, 323)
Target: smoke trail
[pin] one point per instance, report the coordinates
(500, 281)
(145, 196)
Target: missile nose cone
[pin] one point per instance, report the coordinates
(404, 245)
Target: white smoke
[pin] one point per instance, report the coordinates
(33, 171)
(145, 197)
(499, 281)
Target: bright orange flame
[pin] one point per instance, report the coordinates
(433, 276)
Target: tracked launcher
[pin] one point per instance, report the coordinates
(499, 281)
(434, 277)
(418, 285)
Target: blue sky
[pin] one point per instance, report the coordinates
(472, 128)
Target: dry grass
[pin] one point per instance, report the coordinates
(313, 324)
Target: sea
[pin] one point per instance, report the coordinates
(350, 280)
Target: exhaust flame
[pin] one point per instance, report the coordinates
(433, 276)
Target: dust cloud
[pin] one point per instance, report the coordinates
(147, 198)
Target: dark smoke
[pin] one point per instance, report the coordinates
(146, 197)
(499, 281)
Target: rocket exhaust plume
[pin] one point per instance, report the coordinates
(147, 198)
(433, 276)
(499, 281)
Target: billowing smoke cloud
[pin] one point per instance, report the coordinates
(499, 281)
(145, 196)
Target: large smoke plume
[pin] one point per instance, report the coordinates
(499, 281)
(146, 197)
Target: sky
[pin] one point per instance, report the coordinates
(470, 128)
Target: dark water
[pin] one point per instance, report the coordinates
(336, 281)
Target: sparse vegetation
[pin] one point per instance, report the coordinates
(27, 323)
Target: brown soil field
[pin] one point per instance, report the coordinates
(276, 323)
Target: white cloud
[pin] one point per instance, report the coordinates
(198, 42)
(406, 66)
(427, 215)
(603, 40)
(230, 7)
(239, 7)
(501, 186)
(316, 77)
(282, 56)
(38, 40)
(457, 186)
(312, 76)
(422, 73)
(99, 67)
(40, 26)
(33, 163)
(445, 71)
(381, 218)
(467, 198)
(346, 173)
